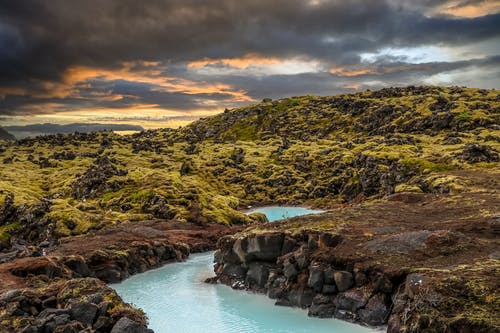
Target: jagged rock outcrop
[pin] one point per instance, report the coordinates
(317, 271)
(95, 179)
(283, 267)
(69, 306)
(32, 226)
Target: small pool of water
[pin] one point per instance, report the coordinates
(275, 213)
(176, 299)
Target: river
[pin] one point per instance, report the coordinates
(176, 299)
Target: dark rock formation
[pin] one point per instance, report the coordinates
(95, 179)
(474, 153)
(266, 263)
(65, 308)
(125, 325)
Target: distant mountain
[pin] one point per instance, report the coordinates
(4, 135)
(43, 129)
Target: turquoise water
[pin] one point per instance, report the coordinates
(176, 299)
(275, 213)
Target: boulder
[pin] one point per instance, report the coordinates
(343, 280)
(52, 312)
(276, 286)
(84, 312)
(62, 319)
(265, 247)
(109, 274)
(257, 274)
(329, 289)
(316, 278)
(50, 302)
(328, 275)
(95, 298)
(240, 247)
(322, 306)
(275, 292)
(301, 297)
(234, 271)
(375, 312)
(103, 324)
(351, 300)
(9, 295)
(77, 265)
(289, 270)
(218, 257)
(125, 325)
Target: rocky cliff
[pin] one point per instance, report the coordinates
(416, 262)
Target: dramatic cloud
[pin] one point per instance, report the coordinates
(77, 58)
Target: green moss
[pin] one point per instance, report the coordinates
(463, 117)
(426, 166)
(407, 188)
(320, 164)
(243, 131)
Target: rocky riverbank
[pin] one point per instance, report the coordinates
(409, 263)
(66, 291)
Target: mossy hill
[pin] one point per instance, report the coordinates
(318, 151)
(410, 177)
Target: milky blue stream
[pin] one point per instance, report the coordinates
(275, 213)
(176, 299)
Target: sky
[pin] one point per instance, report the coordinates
(143, 62)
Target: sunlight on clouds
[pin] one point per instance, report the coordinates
(353, 71)
(240, 63)
(152, 76)
(352, 86)
(77, 80)
(470, 10)
(252, 64)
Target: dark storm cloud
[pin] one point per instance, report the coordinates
(276, 86)
(40, 40)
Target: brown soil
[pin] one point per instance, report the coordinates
(416, 229)
(449, 240)
(198, 237)
(120, 237)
